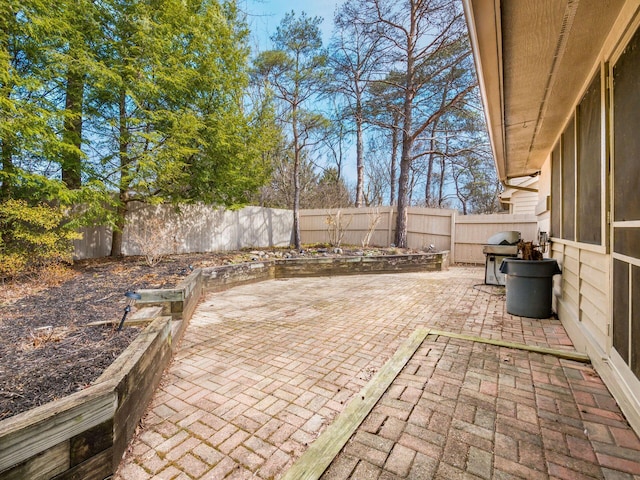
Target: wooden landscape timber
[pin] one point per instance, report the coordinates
(85, 434)
(315, 460)
(51, 431)
(139, 317)
(565, 354)
(312, 464)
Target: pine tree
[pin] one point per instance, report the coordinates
(127, 100)
(296, 72)
(170, 114)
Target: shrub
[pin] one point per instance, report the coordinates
(33, 236)
(337, 227)
(154, 236)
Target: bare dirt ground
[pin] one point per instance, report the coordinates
(47, 351)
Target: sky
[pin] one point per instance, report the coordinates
(264, 16)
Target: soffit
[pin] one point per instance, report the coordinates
(533, 69)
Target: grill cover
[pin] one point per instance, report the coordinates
(504, 238)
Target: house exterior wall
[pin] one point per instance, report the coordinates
(523, 203)
(519, 200)
(562, 100)
(584, 293)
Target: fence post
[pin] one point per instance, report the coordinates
(390, 226)
(452, 250)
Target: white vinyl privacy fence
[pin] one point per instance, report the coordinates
(462, 235)
(201, 228)
(191, 228)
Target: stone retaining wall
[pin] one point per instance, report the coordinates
(319, 266)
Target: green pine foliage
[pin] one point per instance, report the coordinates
(104, 103)
(33, 236)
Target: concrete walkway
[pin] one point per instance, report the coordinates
(264, 368)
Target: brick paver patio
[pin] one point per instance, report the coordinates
(264, 368)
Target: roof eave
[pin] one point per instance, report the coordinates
(483, 20)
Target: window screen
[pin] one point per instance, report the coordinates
(626, 204)
(626, 118)
(635, 320)
(568, 182)
(589, 227)
(621, 309)
(627, 241)
(556, 201)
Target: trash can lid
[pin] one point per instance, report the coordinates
(547, 267)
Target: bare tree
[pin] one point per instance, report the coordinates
(355, 54)
(377, 174)
(317, 190)
(462, 161)
(476, 188)
(335, 139)
(374, 217)
(421, 38)
(337, 226)
(384, 111)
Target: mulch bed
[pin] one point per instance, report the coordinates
(47, 351)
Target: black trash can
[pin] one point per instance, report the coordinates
(529, 286)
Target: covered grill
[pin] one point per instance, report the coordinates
(500, 246)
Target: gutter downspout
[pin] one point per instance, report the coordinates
(506, 183)
(518, 187)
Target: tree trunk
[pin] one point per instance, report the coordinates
(413, 178)
(7, 168)
(441, 182)
(72, 134)
(394, 161)
(6, 149)
(427, 187)
(432, 147)
(359, 156)
(121, 211)
(407, 147)
(403, 183)
(296, 201)
(116, 237)
(403, 197)
(296, 178)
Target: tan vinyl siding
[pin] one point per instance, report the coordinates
(585, 287)
(570, 279)
(524, 203)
